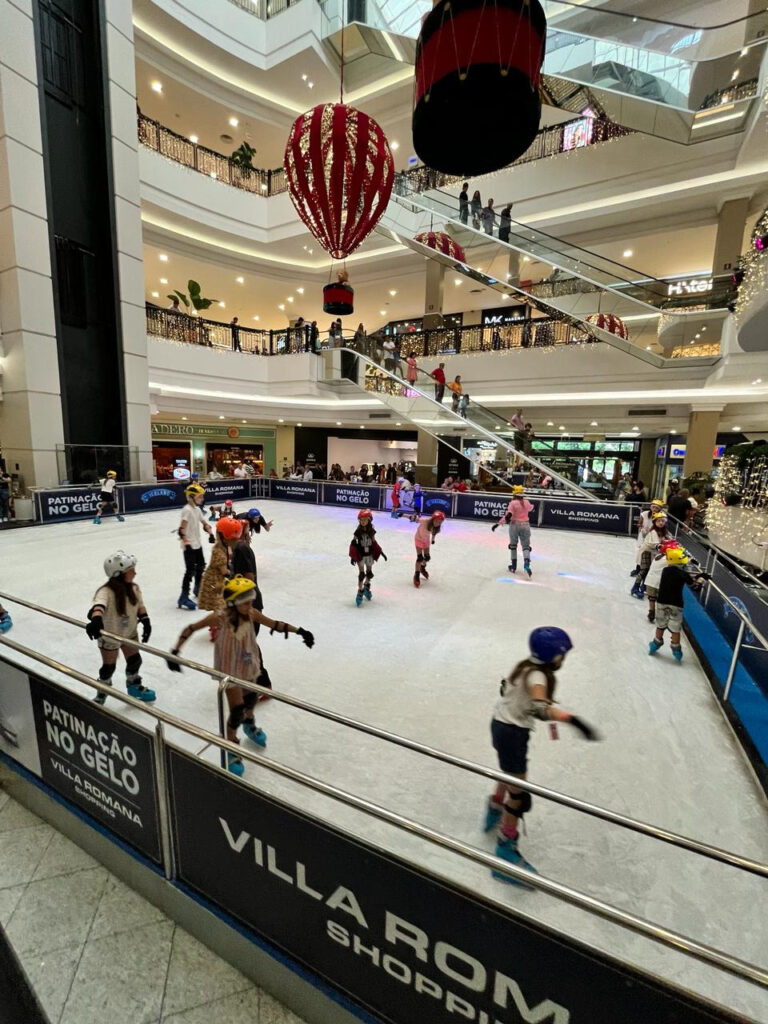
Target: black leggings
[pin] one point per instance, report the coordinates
(194, 563)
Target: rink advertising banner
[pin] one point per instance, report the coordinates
(434, 501)
(490, 507)
(582, 515)
(18, 738)
(151, 497)
(354, 495)
(221, 490)
(99, 763)
(293, 490)
(67, 503)
(754, 656)
(393, 939)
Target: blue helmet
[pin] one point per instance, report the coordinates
(547, 642)
(253, 513)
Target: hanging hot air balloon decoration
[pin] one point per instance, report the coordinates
(476, 102)
(339, 298)
(443, 243)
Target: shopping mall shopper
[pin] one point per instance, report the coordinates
(364, 550)
(488, 217)
(527, 694)
(108, 498)
(517, 517)
(426, 531)
(669, 608)
(438, 376)
(236, 653)
(228, 531)
(5, 495)
(192, 545)
(464, 203)
(118, 608)
(455, 388)
(476, 205)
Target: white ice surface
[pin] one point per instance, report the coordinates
(426, 664)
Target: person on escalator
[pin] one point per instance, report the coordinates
(412, 372)
(464, 203)
(438, 376)
(455, 387)
(463, 403)
(505, 223)
(488, 218)
(476, 206)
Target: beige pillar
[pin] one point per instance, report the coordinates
(700, 443)
(284, 448)
(730, 234)
(513, 270)
(433, 297)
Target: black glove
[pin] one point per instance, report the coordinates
(146, 628)
(495, 527)
(211, 539)
(353, 561)
(384, 557)
(174, 666)
(586, 730)
(307, 637)
(94, 627)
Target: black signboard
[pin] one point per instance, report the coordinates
(151, 497)
(292, 490)
(67, 503)
(488, 507)
(582, 515)
(754, 656)
(395, 939)
(354, 495)
(99, 763)
(221, 490)
(434, 501)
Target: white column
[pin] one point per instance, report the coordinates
(30, 412)
(125, 162)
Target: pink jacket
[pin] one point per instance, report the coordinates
(518, 511)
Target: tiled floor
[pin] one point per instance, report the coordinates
(95, 951)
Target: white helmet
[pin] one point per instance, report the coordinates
(117, 563)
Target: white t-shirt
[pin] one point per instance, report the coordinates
(514, 705)
(108, 484)
(192, 517)
(112, 621)
(240, 471)
(653, 576)
(308, 474)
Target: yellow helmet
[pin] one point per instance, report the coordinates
(677, 556)
(657, 503)
(518, 489)
(194, 491)
(238, 589)
(111, 472)
(658, 516)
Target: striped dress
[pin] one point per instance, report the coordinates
(236, 652)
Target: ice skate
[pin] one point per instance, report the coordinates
(235, 764)
(5, 622)
(97, 520)
(512, 567)
(677, 652)
(359, 598)
(101, 698)
(638, 591)
(140, 692)
(367, 592)
(185, 602)
(120, 519)
(416, 580)
(527, 568)
(254, 733)
(635, 571)
(424, 573)
(492, 816)
(507, 850)
(654, 645)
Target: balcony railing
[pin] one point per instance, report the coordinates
(264, 9)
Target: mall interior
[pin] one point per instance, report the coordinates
(313, 257)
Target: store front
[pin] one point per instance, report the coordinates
(670, 458)
(204, 448)
(172, 460)
(594, 465)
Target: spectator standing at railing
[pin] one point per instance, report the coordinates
(488, 217)
(174, 306)
(464, 203)
(300, 334)
(234, 327)
(313, 337)
(360, 338)
(389, 350)
(5, 495)
(438, 375)
(505, 223)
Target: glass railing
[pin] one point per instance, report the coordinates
(264, 9)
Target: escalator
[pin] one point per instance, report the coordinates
(416, 403)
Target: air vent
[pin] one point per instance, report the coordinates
(379, 415)
(646, 412)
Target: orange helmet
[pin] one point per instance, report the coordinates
(364, 513)
(438, 515)
(229, 529)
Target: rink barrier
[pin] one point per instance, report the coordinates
(208, 814)
(574, 803)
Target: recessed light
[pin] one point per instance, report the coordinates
(233, 122)
(156, 86)
(382, 312)
(183, 417)
(647, 348)
(526, 259)
(635, 428)
(299, 424)
(221, 417)
(338, 423)
(362, 427)
(255, 318)
(593, 423)
(163, 258)
(673, 431)
(627, 253)
(194, 139)
(311, 85)
(393, 292)
(223, 305)
(744, 52)
(263, 188)
(281, 306)
(300, 291)
(550, 423)
(281, 421)
(698, 335)
(240, 280)
(155, 295)
(290, 298)
(457, 281)
(758, 380)
(163, 280)
(704, 327)
(304, 78)
(244, 421)
(735, 428)
(561, 427)
(505, 296)
(398, 424)
(394, 145)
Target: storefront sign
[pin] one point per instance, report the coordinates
(356, 495)
(394, 939)
(98, 762)
(677, 451)
(503, 315)
(573, 515)
(187, 431)
(292, 490)
(145, 497)
(690, 286)
(68, 503)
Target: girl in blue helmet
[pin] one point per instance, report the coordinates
(527, 694)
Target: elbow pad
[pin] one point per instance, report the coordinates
(540, 709)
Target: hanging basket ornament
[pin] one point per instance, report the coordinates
(339, 298)
(610, 323)
(340, 172)
(476, 105)
(443, 243)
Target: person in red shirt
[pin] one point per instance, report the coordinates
(438, 375)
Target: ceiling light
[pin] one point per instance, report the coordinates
(457, 281)
(505, 296)
(240, 280)
(255, 318)
(183, 417)
(163, 258)
(561, 427)
(214, 175)
(311, 85)
(163, 280)
(744, 52)
(233, 122)
(382, 312)
(338, 423)
(704, 327)
(263, 188)
(155, 295)
(304, 78)
(526, 259)
(221, 417)
(398, 424)
(393, 292)
(223, 306)
(550, 423)
(735, 428)
(647, 348)
(735, 75)
(394, 145)
(193, 312)
(758, 380)
(635, 428)
(290, 298)
(156, 86)
(194, 139)
(362, 427)
(698, 335)
(593, 423)
(281, 421)
(244, 421)
(673, 431)
(300, 291)
(299, 424)
(627, 253)
(282, 306)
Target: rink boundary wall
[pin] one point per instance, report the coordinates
(272, 925)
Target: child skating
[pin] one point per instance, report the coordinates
(644, 524)
(364, 550)
(118, 607)
(653, 576)
(527, 694)
(396, 487)
(669, 608)
(426, 531)
(236, 653)
(108, 498)
(228, 532)
(192, 520)
(653, 539)
(517, 517)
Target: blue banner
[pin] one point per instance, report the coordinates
(488, 507)
(434, 501)
(293, 490)
(582, 515)
(67, 504)
(150, 497)
(354, 495)
(217, 491)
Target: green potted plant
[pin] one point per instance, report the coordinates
(195, 297)
(243, 156)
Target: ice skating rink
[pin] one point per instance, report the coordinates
(426, 664)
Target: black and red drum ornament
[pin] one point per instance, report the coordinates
(340, 172)
(610, 323)
(476, 104)
(339, 298)
(443, 243)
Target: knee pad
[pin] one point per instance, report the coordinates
(427, 556)
(236, 716)
(264, 679)
(133, 664)
(368, 574)
(360, 576)
(250, 699)
(106, 672)
(518, 803)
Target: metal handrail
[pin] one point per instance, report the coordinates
(706, 542)
(675, 940)
(745, 620)
(654, 831)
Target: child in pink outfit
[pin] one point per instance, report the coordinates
(517, 517)
(426, 532)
